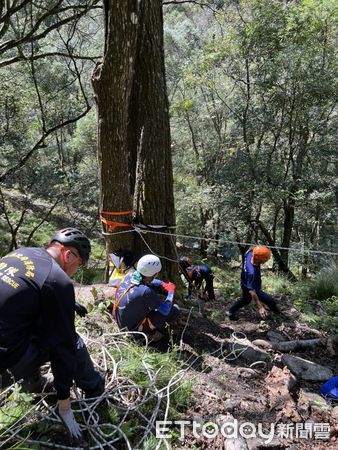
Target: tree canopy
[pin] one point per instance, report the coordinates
(254, 114)
(252, 92)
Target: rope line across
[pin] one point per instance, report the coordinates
(302, 250)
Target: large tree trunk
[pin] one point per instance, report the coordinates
(133, 125)
(149, 135)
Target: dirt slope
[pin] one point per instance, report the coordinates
(224, 384)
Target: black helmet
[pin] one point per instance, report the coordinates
(72, 237)
(184, 262)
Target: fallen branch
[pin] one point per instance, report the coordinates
(293, 346)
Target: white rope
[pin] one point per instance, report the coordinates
(152, 251)
(303, 250)
(105, 233)
(121, 393)
(221, 241)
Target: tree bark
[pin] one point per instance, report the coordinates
(112, 82)
(133, 125)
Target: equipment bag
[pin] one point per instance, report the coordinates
(329, 389)
(121, 263)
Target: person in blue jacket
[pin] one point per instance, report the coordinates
(195, 275)
(251, 284)
(138, 307)
(37, 308)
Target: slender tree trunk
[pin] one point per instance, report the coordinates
(276, 254)
(289, 214)
(205, 216)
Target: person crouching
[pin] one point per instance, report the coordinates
(138, 307)
(251, 284)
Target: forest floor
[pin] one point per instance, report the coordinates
(229, 387)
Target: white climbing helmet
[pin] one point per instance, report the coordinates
(149, 265)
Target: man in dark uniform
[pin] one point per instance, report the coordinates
(251, 284)
(37, 304)
(138, 307)
(195, 276)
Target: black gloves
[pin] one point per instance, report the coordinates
(80, 310)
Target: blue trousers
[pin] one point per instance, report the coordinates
(265, 298)
(158, 320)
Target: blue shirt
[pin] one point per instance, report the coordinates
(251, 275)
(136, 304)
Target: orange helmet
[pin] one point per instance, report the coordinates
(261, 254)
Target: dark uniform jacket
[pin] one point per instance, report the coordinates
(196, 275)
(37, 302)
(199, 273)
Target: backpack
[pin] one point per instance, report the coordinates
(121, 263)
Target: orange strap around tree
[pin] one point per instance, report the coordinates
(111, 225)
(121, 213)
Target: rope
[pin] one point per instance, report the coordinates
(121, 394)
(303, 250)
(152, 251)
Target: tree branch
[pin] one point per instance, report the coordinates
(40, 144)
(30, 37)
(45, 217)
(19, 58)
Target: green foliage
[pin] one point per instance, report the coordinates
(136, 363)
(325, 284)
(227, 282)
(89, 275)
(152, 444)
(217, 316)
(254, 75)
(14, 409)
(39, 94)
(277, 283)
(317, 300)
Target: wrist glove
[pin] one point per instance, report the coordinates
(170, 297)
(80, 310)
(70, 423)
(165, 308)
(169, 287)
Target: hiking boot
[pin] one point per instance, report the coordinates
(231, 316)
(155, 337)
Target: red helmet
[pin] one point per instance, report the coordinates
(184, 262)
